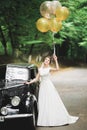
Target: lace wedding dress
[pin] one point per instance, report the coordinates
(51, 110)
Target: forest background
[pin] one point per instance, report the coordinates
(21, 41)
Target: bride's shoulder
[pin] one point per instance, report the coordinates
(40, 68)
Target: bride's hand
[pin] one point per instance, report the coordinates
(27, 82)
(55, 57)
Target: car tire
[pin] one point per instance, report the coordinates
(35, 113)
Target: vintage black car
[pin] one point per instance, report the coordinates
(18, 101)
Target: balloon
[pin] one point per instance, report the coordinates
(42, 24)
(55, 26)
(54, 5)
(45, 9)
(62, 13)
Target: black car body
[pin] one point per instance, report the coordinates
(18, 101)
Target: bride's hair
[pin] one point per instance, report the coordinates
(47, 57)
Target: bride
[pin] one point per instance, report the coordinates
(51, 110)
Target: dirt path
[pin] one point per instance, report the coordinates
(71, 84)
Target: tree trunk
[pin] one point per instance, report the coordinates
(3, 40)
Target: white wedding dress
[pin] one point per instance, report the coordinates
(51, 110)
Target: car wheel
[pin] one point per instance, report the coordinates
(35, 113)
(34, 120)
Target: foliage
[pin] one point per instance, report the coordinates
(18, 29)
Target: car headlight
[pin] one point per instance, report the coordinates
(15, 101)
(8, 111)
(4, 111)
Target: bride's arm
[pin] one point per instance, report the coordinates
(56, 68)
(34, 80)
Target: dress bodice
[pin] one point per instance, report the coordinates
(44, 73)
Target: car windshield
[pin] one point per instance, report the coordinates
(15, 72)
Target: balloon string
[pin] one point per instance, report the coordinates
(53, 37)
(54, 49)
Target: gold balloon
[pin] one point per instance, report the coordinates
(55, 26)
(45, 9)
(54, 5)
(42, 24)
(62, 13)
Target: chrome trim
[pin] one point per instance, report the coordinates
(18, 116)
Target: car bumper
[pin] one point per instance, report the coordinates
(3, 118)
(18, 121)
